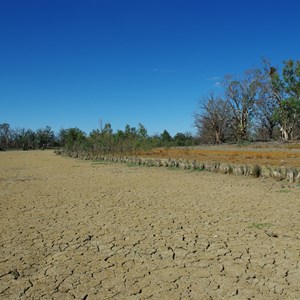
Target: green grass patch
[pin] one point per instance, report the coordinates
(197, 170)
(283, 191)
(130, 165)
(100, 162)
(261, 225)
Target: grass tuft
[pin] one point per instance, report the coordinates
(256, 172)
(130, 165)
(261, 225)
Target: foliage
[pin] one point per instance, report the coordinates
(4, 136)
(261, 104)
(72, 139)
(21, 138)
(286, 92)
(100, 141)
(45, 137)
(242, 95)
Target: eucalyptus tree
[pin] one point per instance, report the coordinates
(265, 113)
(242, 95)
(212, 118)
(285, 90)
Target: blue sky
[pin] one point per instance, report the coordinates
(70, 63)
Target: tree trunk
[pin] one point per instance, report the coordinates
(217, 137)
(286, 133)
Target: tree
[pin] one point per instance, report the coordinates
(107, 137)
(266, 121)
(142, 132)
(62, 137)
(130, 138)
(183, 139)
(286, 92)
(142, 137)
(119, 140)
(4, 136)
(45, 137)
(166, 137)
(212, 120)
(74, 138)
(26, 139)
(241, 95)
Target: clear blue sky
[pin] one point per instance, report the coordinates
(70, 63)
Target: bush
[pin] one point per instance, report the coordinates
(256, 172)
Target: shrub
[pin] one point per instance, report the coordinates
(256, 172)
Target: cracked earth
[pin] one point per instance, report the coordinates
(74, 229)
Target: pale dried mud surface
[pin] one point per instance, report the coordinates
(74, 229)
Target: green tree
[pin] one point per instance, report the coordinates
(119, 137)
(45, 137)
(107, 138)
(166, 138)
(181, 139)
(286, 92)
(4, 136)
(131, 137)
(62, 137)
(74, 139)
(26, 139)
(142, 132)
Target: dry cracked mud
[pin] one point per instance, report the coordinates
(74, 229)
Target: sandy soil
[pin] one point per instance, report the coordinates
(74, 229)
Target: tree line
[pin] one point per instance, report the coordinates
(21, 138)
(103, 140)
(262, 104)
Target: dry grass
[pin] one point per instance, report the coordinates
(288, 156)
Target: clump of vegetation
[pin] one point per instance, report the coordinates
(256, 171)
(26, 139)
(131, 140)
(230, 169)
(284, 191)
(261, 225)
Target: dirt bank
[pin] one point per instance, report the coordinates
(74, 229)
(270, 155)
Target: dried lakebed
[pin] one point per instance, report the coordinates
(74, 229)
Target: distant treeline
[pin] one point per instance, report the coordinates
(103, 140)
(262, 104)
